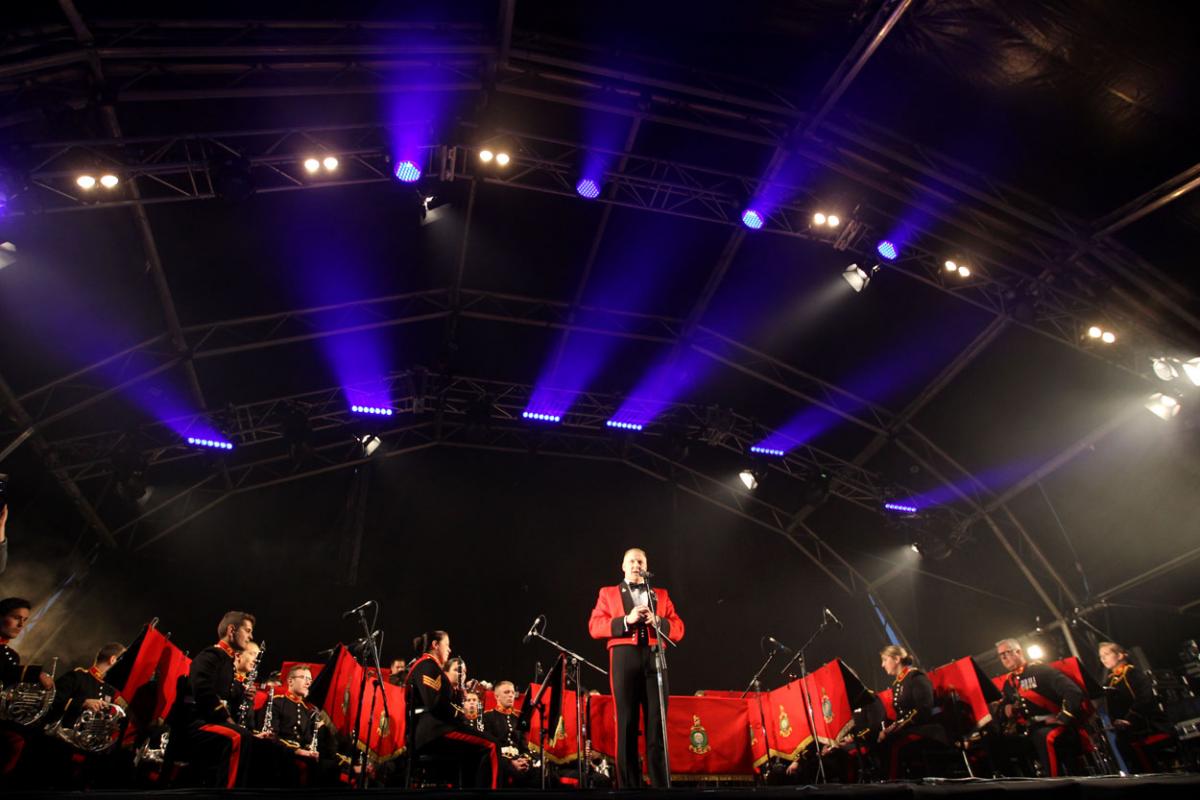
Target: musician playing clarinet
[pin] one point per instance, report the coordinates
(625, 616)
(436, 726)
(912, 698)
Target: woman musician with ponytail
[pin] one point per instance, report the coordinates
(434, 724)
(913, 731)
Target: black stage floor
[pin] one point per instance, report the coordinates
(1106, 788)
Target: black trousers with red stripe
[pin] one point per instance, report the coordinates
(635, 693)
(1056, 746)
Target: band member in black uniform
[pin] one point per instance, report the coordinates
(243, 663)
(82, 689)
(202, 725)
(913, 731)
(1040, 703)
(624, 616)
(434, 718)
(297, 725)
(14, 614)
(1137, 716)
(502, 724)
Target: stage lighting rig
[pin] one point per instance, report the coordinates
(88, 181)
(957, 268)
(857, 277)
(313, 165)
(1101, 334)
(496, 152)
(588, 188)
(754, 219)
(1163, 406)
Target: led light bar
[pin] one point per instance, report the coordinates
(767, 451)
(215, 444)
(541, 417)
(902, 508)
(628, 426)
(379, 411)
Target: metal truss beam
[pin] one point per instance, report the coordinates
(534, 68)
(260, 426)
(571, 441)
(181, 168)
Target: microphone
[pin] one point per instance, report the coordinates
(780, 646)
(357, 609)
(539, 619)
(645, 573)
(353, 645)
(829, 615)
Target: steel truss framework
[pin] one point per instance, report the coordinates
(445, 415)
(1040, 276)
(195, 166)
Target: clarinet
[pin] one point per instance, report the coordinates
(250, 688)
(266, 726)
(316, 723)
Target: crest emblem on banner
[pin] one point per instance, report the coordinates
(753, 741)
(346, 701)
(826, 707)
(560, 732)
(785, 724)
(698, 737)
(385, 726)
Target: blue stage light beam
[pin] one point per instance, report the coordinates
(407, 171)
(753, 219)
(588, 188)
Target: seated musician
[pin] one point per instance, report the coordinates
(913, 730)
(14, 614)
(84, 689)
(502, 724)
(435, 727)
(851, 756)
(1040, 703)
(298, 726)
(203, 730)
(243, 664)
(1137, 716)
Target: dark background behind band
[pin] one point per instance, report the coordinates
(480, 543)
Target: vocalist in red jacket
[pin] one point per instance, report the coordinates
(625, 616)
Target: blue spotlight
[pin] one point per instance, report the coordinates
(752, 219)
(587, 188)
(407, 171)
(767, 451)
(887, 250)
(378, 411)
(214, 444)
(541, 417)
(900, 508)
(628, 426)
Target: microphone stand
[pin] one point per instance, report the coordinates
(378, 690)
(660, 669)
(798, 658)
(756, 684)
(576, 662)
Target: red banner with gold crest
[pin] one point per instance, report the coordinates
(146, 680)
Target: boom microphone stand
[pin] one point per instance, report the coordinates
(798, 658)
(756, 685)
(369, 635)
(576, 662)
(660, 670)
